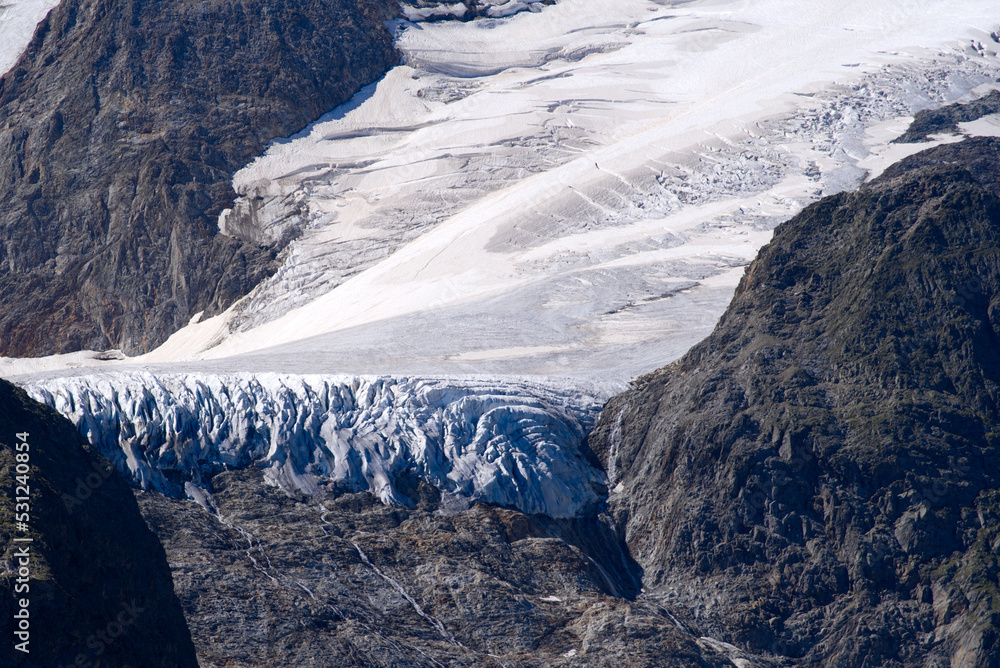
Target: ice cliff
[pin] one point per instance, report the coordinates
(514, 444)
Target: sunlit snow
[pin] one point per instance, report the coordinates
(574, 191)
(18, 19)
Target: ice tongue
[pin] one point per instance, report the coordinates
(512, 443)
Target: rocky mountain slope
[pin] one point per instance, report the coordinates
(818, 479)
(945, 120)
(346, 581)
(123, 122)
(99, 588)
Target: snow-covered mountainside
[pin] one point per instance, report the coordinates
(573, 190)
(570, 191)
(539, 204)
(516, 444)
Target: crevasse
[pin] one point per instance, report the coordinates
(512, 443)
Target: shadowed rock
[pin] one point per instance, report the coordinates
(99, 586)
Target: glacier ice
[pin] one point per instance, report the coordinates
(430, 10)
(583, 185)
(513, 443)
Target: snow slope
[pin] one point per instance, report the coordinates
(572, 191)
(581, 203)
(516, 444)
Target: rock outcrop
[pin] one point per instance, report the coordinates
(818, 481)
(97, 583)
(945, 120)
(123, 123)
(267, 580)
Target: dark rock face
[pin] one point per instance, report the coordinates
(122, 125)
(349, 582)
(946, 119)
(100, 589)
(819, 480)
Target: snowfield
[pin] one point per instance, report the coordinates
(18, 19)
(571, 191)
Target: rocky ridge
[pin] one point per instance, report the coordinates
(945, 119)
(123, 123)
(817, 482)
(99, 589)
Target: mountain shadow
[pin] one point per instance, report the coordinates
(95, 578)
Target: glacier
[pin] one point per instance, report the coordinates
(564, 191)
(573, 190)
(512, 443)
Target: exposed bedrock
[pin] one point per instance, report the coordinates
(273, 581)
(123, 123)
(819, 479)
(95, 578)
